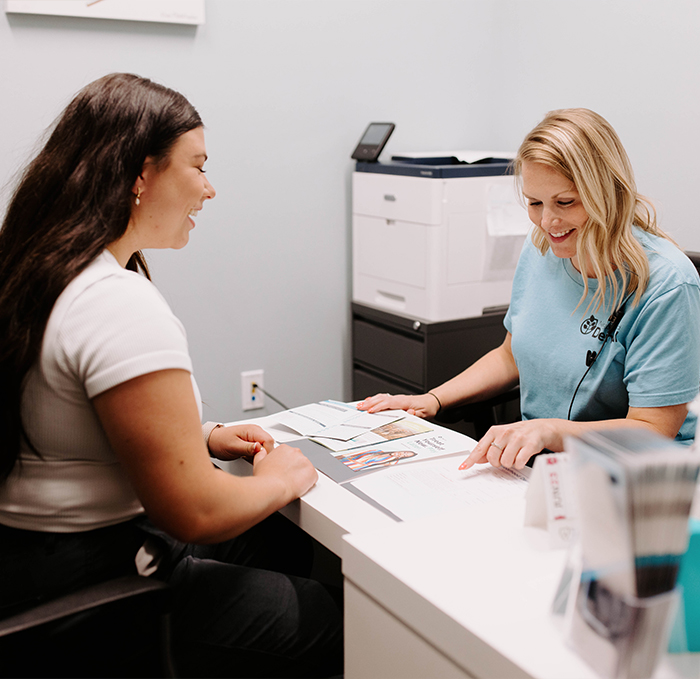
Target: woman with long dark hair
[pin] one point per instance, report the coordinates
(104, 464)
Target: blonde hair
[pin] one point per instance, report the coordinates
(583, 147)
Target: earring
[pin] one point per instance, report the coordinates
(138, 197)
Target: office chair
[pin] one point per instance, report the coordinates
(117, 628)
(694, 257)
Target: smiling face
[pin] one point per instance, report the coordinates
(171, 196)
(554, 205)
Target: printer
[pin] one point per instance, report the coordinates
(435, 237)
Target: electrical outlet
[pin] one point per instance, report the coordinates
(252, 398)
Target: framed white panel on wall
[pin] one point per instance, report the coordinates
(168, 11)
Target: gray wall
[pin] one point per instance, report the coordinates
(285, 88)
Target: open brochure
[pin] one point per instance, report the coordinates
(438, 485)
(391, 431)
(402, 465)
(416, 475)
(335, 421)
(341, 427)
(427, 441)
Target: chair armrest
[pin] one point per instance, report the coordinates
(84, 599)
(694, 257)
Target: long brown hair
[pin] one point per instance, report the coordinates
(72, 201)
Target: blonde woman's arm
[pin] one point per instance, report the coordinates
(494, 373)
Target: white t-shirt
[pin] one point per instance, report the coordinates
(108, 326)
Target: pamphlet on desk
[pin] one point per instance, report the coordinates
(404, 466)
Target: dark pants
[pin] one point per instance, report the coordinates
(243, 608)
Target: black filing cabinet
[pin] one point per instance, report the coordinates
(404, 355)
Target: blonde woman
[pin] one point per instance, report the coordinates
(604, 320)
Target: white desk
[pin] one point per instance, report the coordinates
(462, 595)
(328, 511)
(465, 595)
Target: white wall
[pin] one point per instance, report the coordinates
(636, 62)
(285, 88)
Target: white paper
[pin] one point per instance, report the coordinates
(433, 486)
(378, 436)
(360, 423)
(505, 214)
(315, 419)
(269, 423)
(466, 156)
(170, 11)
(474, 156)
(415, 448)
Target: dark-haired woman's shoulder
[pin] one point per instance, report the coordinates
(110, 325)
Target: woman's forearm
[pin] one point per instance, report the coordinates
(492, 374)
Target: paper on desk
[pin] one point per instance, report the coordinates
(339, 420)
(387, 432)
(271, 425)
(432, 486)
(362, 424)
(418, 447)
(350, 465)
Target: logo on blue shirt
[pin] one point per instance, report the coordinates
(591, 326)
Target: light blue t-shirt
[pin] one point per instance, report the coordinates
(652, 360)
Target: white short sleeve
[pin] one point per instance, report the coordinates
(110, 327)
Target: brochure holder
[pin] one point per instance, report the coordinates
(620, 637)
(633, 493)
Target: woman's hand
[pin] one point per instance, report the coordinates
(289, 465)
(242, 440)
(423, 405)
(512, 445)
(153, 426)
(284, 462)
(492, 374)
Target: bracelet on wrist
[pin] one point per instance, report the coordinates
(438, 400)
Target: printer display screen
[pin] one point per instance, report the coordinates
(375, 134)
